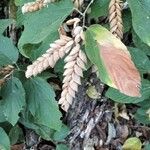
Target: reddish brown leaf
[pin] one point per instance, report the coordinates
(121, 69)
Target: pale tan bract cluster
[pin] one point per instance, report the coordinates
(34, 6)
(57, 50)
(115, 18)
(75, 62)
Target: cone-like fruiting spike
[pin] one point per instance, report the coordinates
(56, 51)
(115, 18)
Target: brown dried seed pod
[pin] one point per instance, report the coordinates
(115, 18)
(57, 50)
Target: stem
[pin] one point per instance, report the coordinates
(84, 13)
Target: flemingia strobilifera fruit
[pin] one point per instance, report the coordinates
(113, 60)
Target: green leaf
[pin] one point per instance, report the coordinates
(92, 51)
(21, 2)
(141, 22)
(147, 147)
(121, 98)
(44, 46)
(127, 20)
(4, 140)
(41, 103)
(139, 44)
(4, 23)
(42, 23)
(99, 8)
(132, 144)
(60, 135)
(28, 121)
(61, 147)
(13, 100)
(140, 59)
(14, 134)
(8, 52)
(141, 116)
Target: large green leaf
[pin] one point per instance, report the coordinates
(41, 103)
(127, 20)
(8, 52)
(140, 44)
(21, 2)
(4, 140)
(142, 114)
(4, 23)
(62, 134)
(13, 100)
(142, 117)
(28, 121)
(62, 147)
(99, 8)
(140, 59)
(121, 98)
(44, 46)
(141, 18)
(15, 135)
(40, 24)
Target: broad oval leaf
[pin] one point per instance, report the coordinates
(140, 59)
(38, 25)
(113, 60)
(4, 23)
(13, 100)
(141, 23)
(121, 98)
(4, 140)
(8, 52)
(99, 8)
(42, 104)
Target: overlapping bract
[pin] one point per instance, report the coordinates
(115, 18)
(75, 64)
